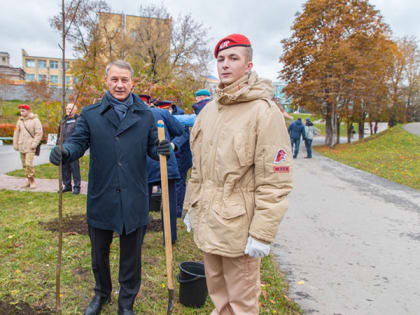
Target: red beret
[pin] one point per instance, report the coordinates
(231, 40)
(24, 106)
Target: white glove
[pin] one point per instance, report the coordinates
(256, 248)
(187, 222)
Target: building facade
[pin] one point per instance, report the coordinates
(46, 69)
(7, 72)
(281, 97)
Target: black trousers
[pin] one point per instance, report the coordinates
(130, 264)
(69, 169)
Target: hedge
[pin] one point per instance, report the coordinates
(6, 130)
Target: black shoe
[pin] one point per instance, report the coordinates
(66, 189)
(76, 191)
(96, 304)
(125, 311)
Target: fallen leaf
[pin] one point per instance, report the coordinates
(301, 282)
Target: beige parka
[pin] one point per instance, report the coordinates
(22, 140)
(242, 164)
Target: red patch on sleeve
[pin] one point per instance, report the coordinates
(280, 156)
(281, 169)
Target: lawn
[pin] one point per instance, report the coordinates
(393, 154)
(10, 112)
(28, 258)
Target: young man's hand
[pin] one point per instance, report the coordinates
(187, 222)
(256, 248)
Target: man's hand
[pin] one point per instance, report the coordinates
(56, 156)
(163, 147)
(187, 222)
(256, 248)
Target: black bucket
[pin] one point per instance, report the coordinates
(192, 284)
(155, 201)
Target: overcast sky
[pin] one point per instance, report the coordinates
(25, 24)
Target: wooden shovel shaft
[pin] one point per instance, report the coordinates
(166, 213)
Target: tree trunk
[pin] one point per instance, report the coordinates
(349, 130)
(361, 129)
(328, 131)
(338, 130)
(370, 127)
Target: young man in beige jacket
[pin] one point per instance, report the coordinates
(27, 136)
(241, 176)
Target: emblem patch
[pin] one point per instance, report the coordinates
(281, 169)
(224, 44)
(280, 156)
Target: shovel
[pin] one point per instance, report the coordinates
(166, 220)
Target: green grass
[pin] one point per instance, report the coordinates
(28, 259)
(10, 112)
(393, 154)
(50, 171)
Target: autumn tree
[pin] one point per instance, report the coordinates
(329, 60)
(170, 56)
(405, 82)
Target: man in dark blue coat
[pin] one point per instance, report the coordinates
(296, 130)
(120, 132)
(172, 129)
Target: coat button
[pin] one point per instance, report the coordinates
(119, 163)
(118, 190)
(117, 138)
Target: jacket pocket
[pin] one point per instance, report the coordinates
(230, 207)
(240, 145)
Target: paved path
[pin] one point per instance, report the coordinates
(42, 185)
(10, 159)
(413, 128)
(350, 241)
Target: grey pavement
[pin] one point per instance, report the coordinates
(10, 159)
(413, 128)
(350, 241)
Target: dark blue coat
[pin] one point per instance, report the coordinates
(173, 128)
(117, 187)
(182, 142)
(296, 129)
(200, 105)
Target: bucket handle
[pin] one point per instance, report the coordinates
(187, 280)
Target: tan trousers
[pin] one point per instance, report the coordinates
(233, 283)
(27, 163)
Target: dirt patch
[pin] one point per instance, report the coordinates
(9, 306)
(74, 224)
(155, 225)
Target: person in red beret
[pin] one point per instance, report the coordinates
(240, 178)
(26, 138)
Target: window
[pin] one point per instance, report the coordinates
(30, 77)
(54, 79)
(30, 63)
(67, 66)
(42, 77)
(67, 79)
(42, 63)
(3, 58)
(53, 64)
